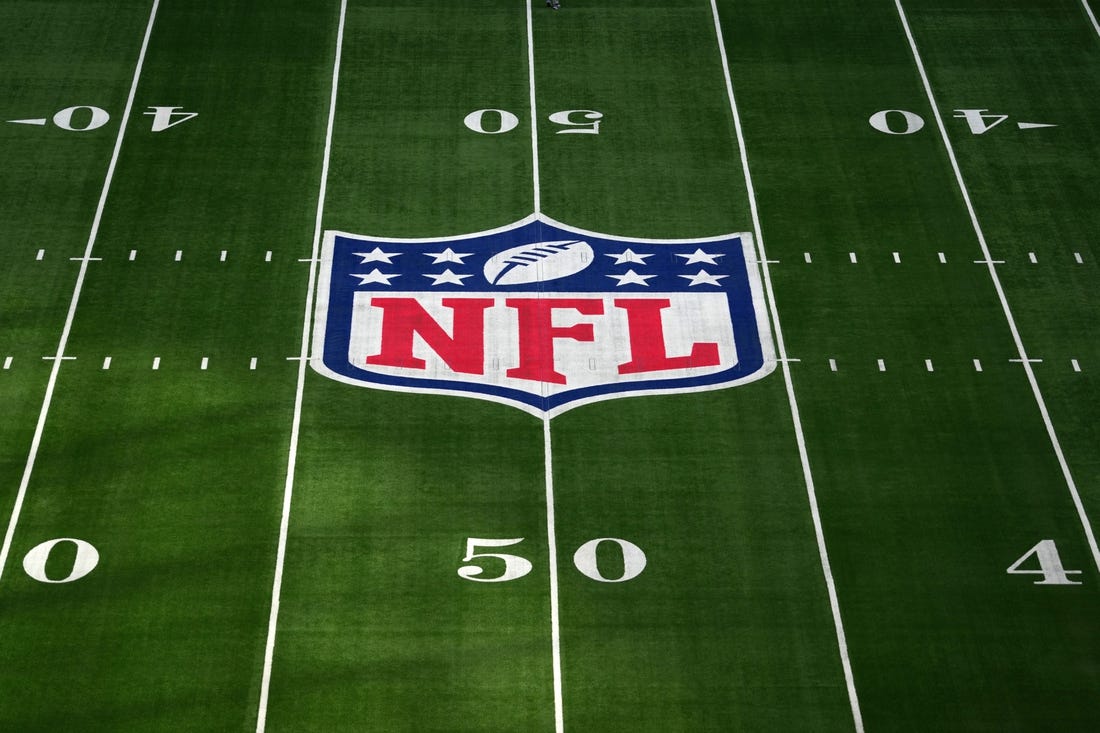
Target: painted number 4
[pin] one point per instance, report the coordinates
(633, 560)
(1050, 565)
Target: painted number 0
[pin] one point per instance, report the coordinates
(634, 560)
(908, 124)
(34, 562)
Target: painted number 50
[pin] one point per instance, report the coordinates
(633, 560)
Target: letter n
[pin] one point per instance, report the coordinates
(463, 350)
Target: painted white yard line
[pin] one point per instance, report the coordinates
(1092, 17)
(552, 549)
(811, 493)
(534, 114)
(1024, 360)
(548, 468)
(62, 342)
(303, 362)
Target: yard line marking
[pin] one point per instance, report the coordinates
(36, 440)
(977, 365)
(882, 365)
(897, 258)
(7, 362)
(133, 255)
(1095, 25)
(989, 262)
(832, 365)
(1056, 444)
(1075, 365)
(1077, 256)
(1026, 361)
(943, 258)
(552, 549)
(106, 362)
(808, 258)
(811, 492)
(296, 423)
(156, 363)
(40, 255)
(86, 259)
(551, 538)
(58, 358)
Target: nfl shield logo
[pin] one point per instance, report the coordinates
(540, 315)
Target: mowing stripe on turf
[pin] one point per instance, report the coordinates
(811, 493)
(59, 356)
(1025, 362)
(551, 536)
(303, 360)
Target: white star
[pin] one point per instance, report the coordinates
(376, 255)
(375, 276)
(699, 256)
(447, 255)
(447, 277)
(632, 278)
(629, 256)
(703, 278)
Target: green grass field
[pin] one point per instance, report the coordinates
(250, 545)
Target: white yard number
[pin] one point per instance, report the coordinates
(64, 118)
(633, 560)
(1050, 565)
(34, 563)
(165, 117)
(565, 119)
(581, 121)
(516, 567)
(979, 121)
(476, 121)
(907, 125)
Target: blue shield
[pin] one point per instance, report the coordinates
(540, 315)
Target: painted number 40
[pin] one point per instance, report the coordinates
(633, 560)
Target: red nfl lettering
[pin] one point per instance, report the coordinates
(537, 334)
(648, 352)
(464, 352)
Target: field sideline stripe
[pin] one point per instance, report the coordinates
(284, 523)
(77, 289)
(1055, 443)
(548, 453)
(811, 493)
(1095, 25)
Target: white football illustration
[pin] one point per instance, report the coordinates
(538, 262)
